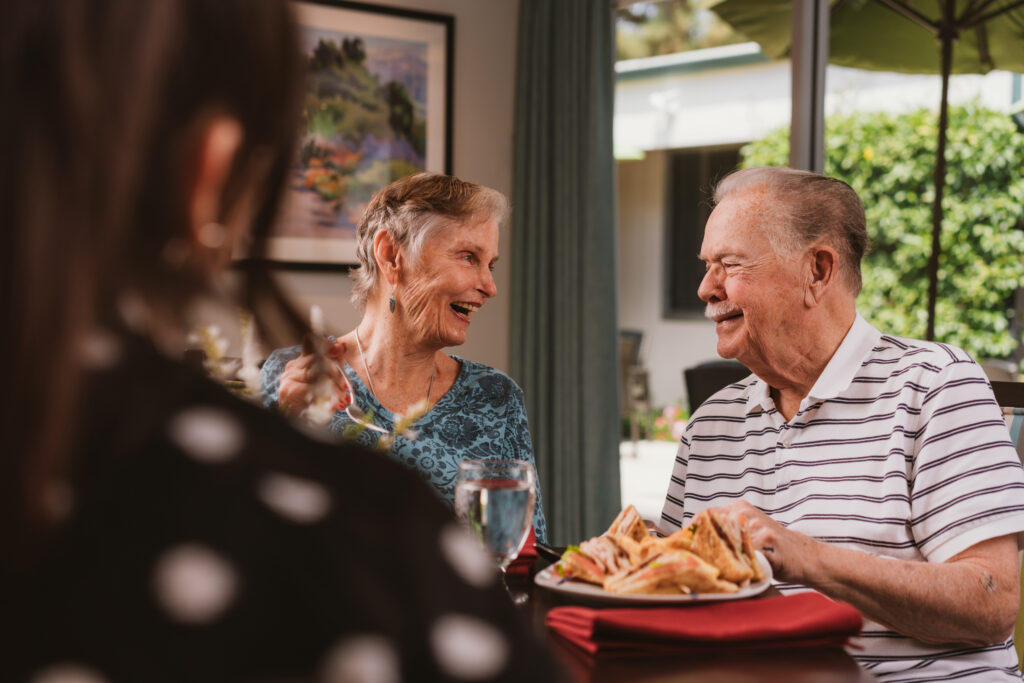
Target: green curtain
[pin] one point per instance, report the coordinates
(564, 338)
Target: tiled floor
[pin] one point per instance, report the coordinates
(645, 471)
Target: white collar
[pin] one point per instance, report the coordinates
(837, 375)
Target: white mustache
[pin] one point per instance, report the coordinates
(719, 310)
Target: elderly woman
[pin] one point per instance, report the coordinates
(427, 246)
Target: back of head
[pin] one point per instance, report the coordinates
(801, 208)
(413, 207)
(102, 105)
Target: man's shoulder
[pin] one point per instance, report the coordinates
(902, 359)
(917, 350)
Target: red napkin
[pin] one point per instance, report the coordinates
(801, 620)
(520, 567)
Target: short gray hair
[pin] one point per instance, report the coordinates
(410, 209)
(808, 207)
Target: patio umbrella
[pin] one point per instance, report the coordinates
(909, 36)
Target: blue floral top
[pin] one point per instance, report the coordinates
(481, 416)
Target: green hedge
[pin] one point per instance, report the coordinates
(889, 160)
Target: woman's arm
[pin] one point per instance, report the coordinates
(519, 446)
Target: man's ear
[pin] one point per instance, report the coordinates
(389, 256)
(217, 144)
(824, 271)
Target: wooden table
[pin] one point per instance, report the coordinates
(799, 665)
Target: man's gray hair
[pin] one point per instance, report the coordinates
(410, 209)
(805, 208)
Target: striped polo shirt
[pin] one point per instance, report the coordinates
(898, 450)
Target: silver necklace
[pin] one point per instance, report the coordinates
(369, 379)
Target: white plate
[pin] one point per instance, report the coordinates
(547, 578)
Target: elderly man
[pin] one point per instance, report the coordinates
(874, 469)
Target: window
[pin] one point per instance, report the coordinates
(692, 174)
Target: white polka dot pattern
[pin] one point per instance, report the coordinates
(362, 659)
(207, 434)
(466, 557)
(468, 648)
(298, 500)
(193, 584)
(68, 673)
(99, 349)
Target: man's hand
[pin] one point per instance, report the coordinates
(295, 390)
(971, 598)
(788, 552)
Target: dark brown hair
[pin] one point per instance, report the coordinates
(102, 100)
(803, 208)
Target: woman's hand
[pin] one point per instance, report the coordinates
(295, 390)
(790, 553)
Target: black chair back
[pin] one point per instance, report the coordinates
(705, 379)
(1009, 394)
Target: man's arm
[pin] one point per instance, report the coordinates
(972, 598)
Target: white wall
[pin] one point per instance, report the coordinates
(484, 97)
(668, 346)
(740, 103)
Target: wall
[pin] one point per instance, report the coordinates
(484, 95)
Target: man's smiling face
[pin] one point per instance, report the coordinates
(753, 293)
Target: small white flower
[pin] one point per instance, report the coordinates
(249, 373)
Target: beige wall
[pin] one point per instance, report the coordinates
(668, 346)
(484, 92)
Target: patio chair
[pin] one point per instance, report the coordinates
(629, 365)
(706, 378)
(633, 385)
(1010, 397)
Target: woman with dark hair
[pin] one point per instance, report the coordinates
(153, 526)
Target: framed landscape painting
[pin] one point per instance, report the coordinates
(377, 107)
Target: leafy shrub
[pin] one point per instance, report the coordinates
(889, 160)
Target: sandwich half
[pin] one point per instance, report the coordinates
(719, 539)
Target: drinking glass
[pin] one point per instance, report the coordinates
(495, 499)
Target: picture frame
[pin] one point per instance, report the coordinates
(377, 107)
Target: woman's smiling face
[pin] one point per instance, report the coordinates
(450, 280)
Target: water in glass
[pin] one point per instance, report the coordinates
(495, 500)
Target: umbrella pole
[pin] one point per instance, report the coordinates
(940, 173)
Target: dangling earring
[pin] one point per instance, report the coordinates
(391, 301)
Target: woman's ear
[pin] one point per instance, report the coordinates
(388, 255)
(824, 270)
(217, 144)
